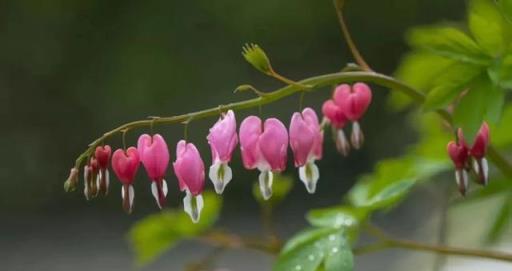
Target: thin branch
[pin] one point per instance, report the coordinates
(348, 37)
(385, 241)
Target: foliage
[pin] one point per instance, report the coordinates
(467, 72)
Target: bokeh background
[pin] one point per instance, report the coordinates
(71, 70)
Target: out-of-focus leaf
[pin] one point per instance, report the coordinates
(339, 255)
(418, 69)
(469, 112)
(495, 187)
(506, 9)
(448, 42)
(502, 220)
(153, 235)
(449, 84)
(281, 186)
(310, 248)
(494, 102)
(336, 217)
(501, 71)
(487, 26)
(501, 132)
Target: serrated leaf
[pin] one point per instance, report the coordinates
(449, 84)
(487, 26)
(502, 220)
(309, 249)
(153, 235)
(281, 186)
(448, 42)
(501, 71)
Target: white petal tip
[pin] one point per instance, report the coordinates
(309, 175)
(193, 205)
(265, 180)
(220, 174)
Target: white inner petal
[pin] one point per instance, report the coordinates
(193, 205)
(266, 179)
(164, 187)
(485, 169)
(309, 175)
(154, 191)
(220, 174)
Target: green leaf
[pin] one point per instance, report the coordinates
(153, 235)
(418, 69)
(500, 133)
(469, 113)
(281, 186)
(495, 100)
(502, 220)
(310, 248)
(487, 26)
(449, 84)
(339, 255)
(506, 9)
(336, 217)
(448, 42)
(501, 71)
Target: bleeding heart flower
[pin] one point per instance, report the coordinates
(125, 165)
(334, 114)
(189, 168)
(91, 179)
(478, 151)
(306, 140)
(459, 154)
(264, 146)
(354, 102)
(223, 140)
(154, 155)
(72, 181)
(102, 155)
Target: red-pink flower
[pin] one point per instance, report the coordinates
(336, 117)
(90, 179)
(354, 103)
(189, 168)
(223, 140)
(125, 165)
(306, 140)
(459, 153)
(264, 146)
(154, 155)
(478, 151)
(102, 155)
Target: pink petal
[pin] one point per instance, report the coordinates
(250, 131)
(154, 154)
(125, 164)
(223, 138)
(189, 168)
(273, 144)
(334, 114)
(302, 139)
(479, 148)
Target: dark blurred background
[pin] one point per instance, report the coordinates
(71, 70)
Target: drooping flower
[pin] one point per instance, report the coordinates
(125, 165)
(354, 102)
(478, 151)
(459, 154)
(102, 155)
(264, 146)
(306, 140)
(72, 181)
(223, 140)
(334, 114)
(154, 155)
(91, 170)
(189, 168)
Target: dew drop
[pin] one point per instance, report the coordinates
(311, 257)
(332, 237)
(298, 267)
(334, 250)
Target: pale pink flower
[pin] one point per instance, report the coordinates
(306, 140)
(189, 168)
(223, 140)
(264, 146)
(125, 165)
(154, 155)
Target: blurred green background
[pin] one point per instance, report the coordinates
(71, 70)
